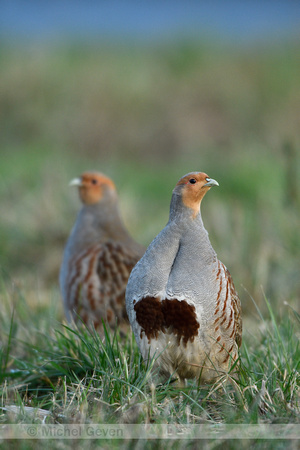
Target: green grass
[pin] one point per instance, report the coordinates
(69, 375)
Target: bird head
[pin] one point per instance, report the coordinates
(93, 187)
(192, 188)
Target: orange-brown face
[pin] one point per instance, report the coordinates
(193, 187)
(92, 186)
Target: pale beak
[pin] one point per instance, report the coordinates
(211, 182)
(75, 182)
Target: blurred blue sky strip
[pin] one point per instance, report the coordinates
(147, 21)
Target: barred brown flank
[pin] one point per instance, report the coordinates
(226, 297)
(108, 267)
(229, 321)
(228, 354)
(75, 276)
(90, 297)
(224, 320)
(87, 276)
(219, 270)
(219, 293)
(93, 256)
(222, 347)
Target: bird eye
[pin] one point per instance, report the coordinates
(192, 181)
(94, 181)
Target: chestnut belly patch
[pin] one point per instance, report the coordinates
(178, 317)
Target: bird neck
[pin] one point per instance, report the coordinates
(190, 224)
(100, 220)
(106, 217)
(179, 211)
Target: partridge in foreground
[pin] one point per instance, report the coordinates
(98, 257)
(180, 299)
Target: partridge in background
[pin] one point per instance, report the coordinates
(98, 257)
(180, 299)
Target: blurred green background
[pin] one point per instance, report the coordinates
(146, 115)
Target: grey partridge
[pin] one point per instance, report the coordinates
(180, 299)
(98, 257)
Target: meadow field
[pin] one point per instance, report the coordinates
(145, 116)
